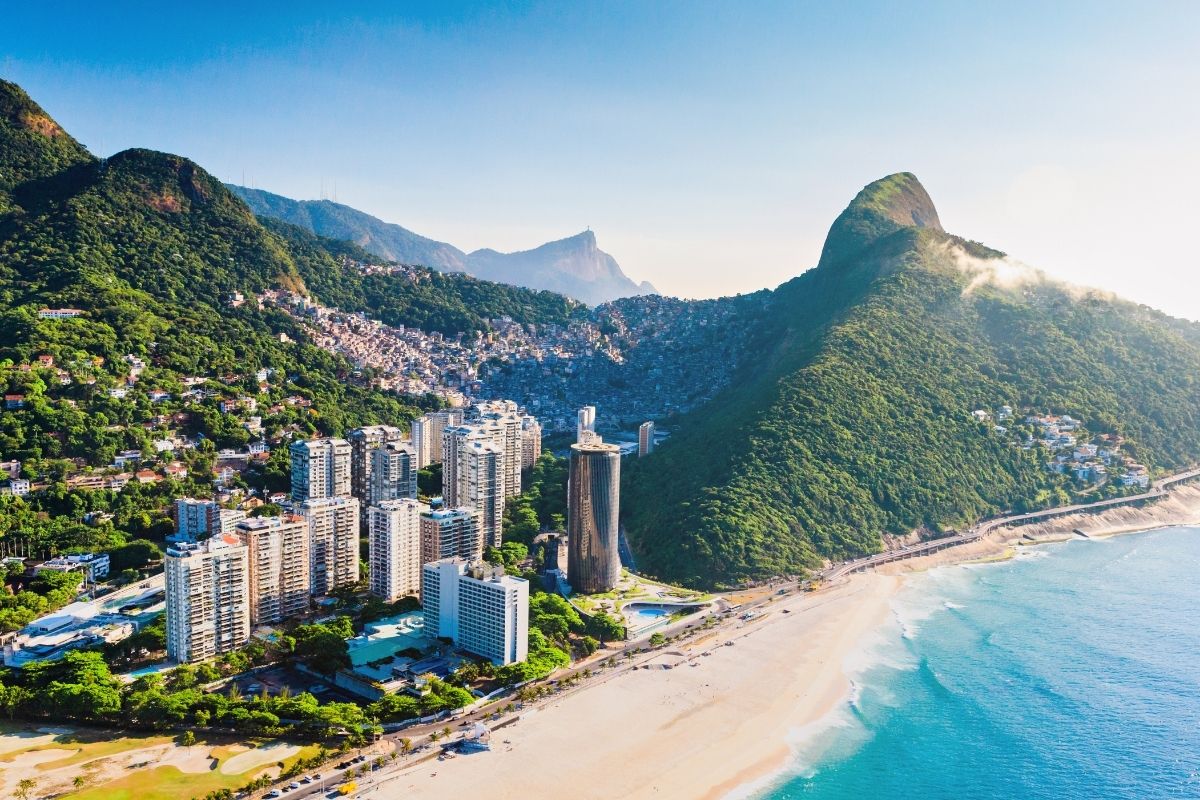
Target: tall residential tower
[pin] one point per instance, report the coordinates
(593, 503)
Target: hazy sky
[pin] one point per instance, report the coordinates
(708, 145)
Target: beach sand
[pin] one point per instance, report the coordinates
(686, 732)
(711, 730)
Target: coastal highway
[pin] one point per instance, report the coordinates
(1159, 488)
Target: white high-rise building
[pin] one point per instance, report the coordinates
(645, 438)
(450, 532)
(435, 424)
(504, 430)
(531, 441)
(208, 598)
(395, 548)
(280, 566)
(482, 471)
(333, 525)
(362, 442)
(320, 469)
(393, 474)
(196, 519)
(585, 424)
(423, 442)
(478, 607)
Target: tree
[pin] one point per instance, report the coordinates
(605, 627)
(24, 787)
(324, 646)
(188, 739)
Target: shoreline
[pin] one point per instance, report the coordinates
(705, 731)
(727, 727)
(1179, 508)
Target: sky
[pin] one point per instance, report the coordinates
(708, 145)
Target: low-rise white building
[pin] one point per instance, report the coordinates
(93, 565)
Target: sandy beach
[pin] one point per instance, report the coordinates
(708, 730)
(687, 732)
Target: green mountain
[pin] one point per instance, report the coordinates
(575, 266)
(148, 246)
(336, 221)
(855, 421)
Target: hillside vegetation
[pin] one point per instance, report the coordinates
(856, 421)
(149, 247)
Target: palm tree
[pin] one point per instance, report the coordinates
(24, 787)
(79, 782)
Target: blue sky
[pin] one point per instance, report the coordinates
(708, 145)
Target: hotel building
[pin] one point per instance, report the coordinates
(478, 607)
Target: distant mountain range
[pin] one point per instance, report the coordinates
(574, 266)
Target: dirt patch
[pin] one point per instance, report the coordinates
(258, 757)
(40, 123)
(164, 202)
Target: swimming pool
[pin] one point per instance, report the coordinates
(649, 614)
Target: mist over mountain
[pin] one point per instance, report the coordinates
(574, 266)
(855, 419)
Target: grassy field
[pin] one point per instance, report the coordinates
(118, 766)
(169, 783)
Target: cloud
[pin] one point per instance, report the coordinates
(1009, 273)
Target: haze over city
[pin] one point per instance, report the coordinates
(708, 146)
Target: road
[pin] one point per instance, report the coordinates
(1157, 489)
(725, 622)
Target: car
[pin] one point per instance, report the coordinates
(271, 794)
(306, 780)
(293, 786)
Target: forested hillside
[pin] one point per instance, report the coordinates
(152, 253)
(857, 419)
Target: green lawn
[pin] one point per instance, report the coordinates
(169, 783)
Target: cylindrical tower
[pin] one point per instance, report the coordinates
(593, 502)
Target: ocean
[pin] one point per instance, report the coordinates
(1071, 671)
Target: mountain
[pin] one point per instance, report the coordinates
(337, 221)
(574, 266)
(854, 420)
(147, 246)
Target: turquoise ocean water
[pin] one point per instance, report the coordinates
(1072, 671)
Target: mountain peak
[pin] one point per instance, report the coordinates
(32, 144)
(883, 207)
